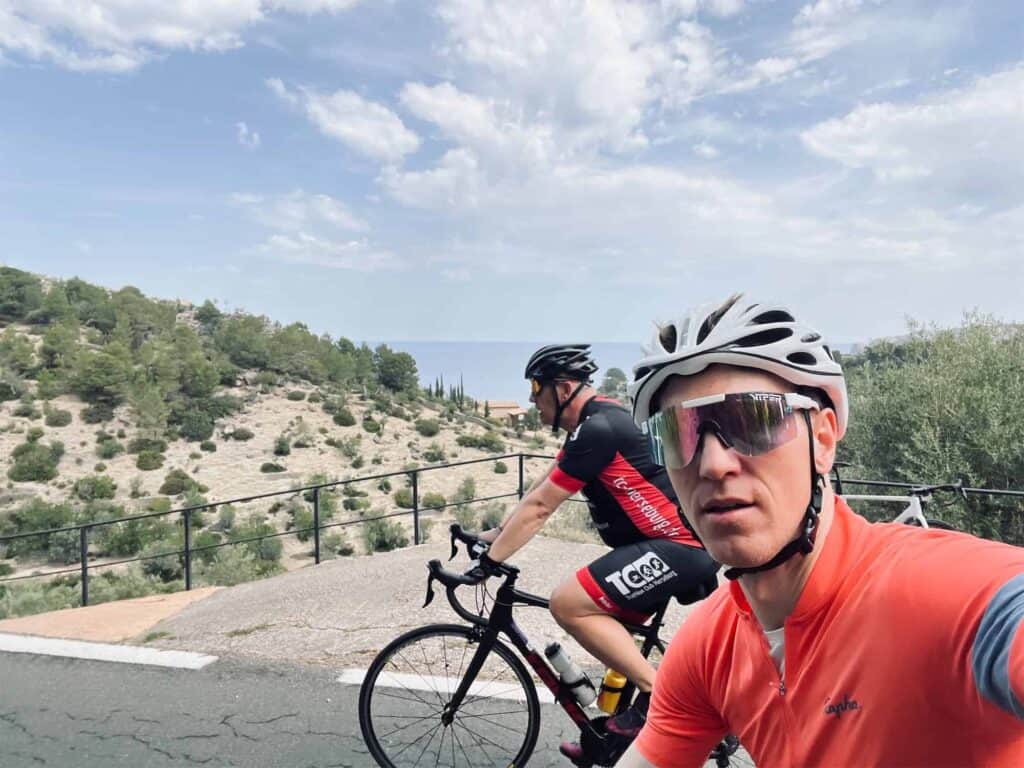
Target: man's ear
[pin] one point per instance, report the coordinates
(826, 431)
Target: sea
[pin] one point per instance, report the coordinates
(493, 370)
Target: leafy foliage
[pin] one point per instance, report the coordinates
(943, 405)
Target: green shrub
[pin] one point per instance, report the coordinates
(331, 405)
(489, 441)
(315, 397)
(296, 395)
(467, 518)
(26, 410)
(500, 468)
(266, 550)
(109, 448)
(57, 418)
(433, 501)
(149, 460)
(403, 498)
(168, 567)
(434, 453)
(99, 466)
(6, 569)
(196, 426)
(94, 487)
(491, 515)
(356, 505)
(428, 427)
(384, 536)
(358, 462)
(204, 545)
(371, 426)
(302, 521)
(335, 545)
(384, 485)
(97, 413)
(343, 418)
(241, 434)
(140, 444)
(34, 462)
(225, 518)
(282, 447)
(176, 482)
(466, 490)
(159, 504)
(266, 380)
(128, 538)
(208, 445)
(269, 466)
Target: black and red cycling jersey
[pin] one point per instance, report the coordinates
(629, 496)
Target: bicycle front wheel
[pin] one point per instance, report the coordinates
(408, 689)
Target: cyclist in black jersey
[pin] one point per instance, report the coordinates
(654, 554)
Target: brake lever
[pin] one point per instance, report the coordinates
(430, 590)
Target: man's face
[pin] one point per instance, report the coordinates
(546, 402)
(771, 490)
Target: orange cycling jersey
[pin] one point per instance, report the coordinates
(904, 649)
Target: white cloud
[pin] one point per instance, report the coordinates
(299, 210)
(690, 8)
(364, 126)
(248, 139)
(960, 139)
(354, 255)
(705, 150)
(314, 229)
(121, 35)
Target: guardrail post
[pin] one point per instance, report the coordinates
(415, 507)
(316, 526)
(521, 489)
(187, 514)
(83, 552)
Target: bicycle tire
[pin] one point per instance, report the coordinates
(425, 687)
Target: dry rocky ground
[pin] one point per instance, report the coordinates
(233, 470)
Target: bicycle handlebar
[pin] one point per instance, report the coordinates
(452, 580)
(927, 490)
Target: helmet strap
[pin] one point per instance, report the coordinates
(803, 544)
(560, 407)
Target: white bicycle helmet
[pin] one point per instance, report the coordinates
(747, 335)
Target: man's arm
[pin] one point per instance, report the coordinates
(998, 649)
(527, 518)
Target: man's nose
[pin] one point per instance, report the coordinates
(715, 459)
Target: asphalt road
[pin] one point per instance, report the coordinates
(86, 714)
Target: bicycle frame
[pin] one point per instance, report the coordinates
(914, 511)
(501, 620)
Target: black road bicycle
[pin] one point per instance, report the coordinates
(458, 696)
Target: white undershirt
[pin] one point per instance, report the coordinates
(777, 648)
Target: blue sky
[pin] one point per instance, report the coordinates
(511, 170)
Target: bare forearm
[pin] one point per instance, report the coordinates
(522, 525)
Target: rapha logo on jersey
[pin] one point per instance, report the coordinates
(576, 432)
(640, 575)
(837, 709)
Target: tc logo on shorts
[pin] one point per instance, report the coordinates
(641, 572)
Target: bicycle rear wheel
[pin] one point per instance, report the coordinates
(411, 682)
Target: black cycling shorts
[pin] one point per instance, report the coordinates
(631, 581)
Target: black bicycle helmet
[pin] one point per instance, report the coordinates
(561, 361)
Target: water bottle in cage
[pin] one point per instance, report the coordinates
(571, 675)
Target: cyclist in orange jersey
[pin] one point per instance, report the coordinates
(836, 642)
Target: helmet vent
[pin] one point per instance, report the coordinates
(764, 338)
(801, 358)
(773, 316)
(810, 338)
(667, 337)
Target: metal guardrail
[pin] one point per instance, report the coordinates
(316, 528)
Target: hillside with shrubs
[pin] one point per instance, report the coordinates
(113, 404)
